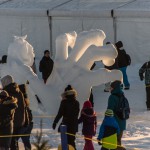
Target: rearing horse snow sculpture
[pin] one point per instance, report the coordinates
(69, 67)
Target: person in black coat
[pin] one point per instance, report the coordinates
(8, 105)
(124, 60)
(19, 117)
(28, 126)
(144, 74)
(46, 65)
(69, 111)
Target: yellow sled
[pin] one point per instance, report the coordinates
(69, 147)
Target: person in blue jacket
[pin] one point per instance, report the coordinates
(113, 102)
(108, 132)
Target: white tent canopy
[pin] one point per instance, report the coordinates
(44, 20)
(87, 8)
(21, 17)
(80, 15)
(133, 28)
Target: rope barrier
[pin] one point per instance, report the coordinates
(1, 136)
(77, 136)
(95, 140)
(44, 116)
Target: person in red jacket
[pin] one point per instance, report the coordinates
(88, 118)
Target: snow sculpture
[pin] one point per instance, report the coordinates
(69, 68)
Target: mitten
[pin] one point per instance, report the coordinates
(99, 142)
(54, 126)
(141, 78)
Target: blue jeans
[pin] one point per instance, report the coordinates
(125, 77)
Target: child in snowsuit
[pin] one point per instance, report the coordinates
(108, 131)
(88, 117)
(145, 71)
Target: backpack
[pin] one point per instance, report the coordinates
(123, 108)
(128, 59)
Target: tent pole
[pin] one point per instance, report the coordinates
(114, 25)
(115, 29)
(115, 19)
(50, 31)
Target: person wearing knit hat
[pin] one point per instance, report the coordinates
(108, 131)
(68, 88)
(68, 111)
(69, 91)
(115, 84)
(119, 44)
(6, 80)
(89, 119)
(113, 102)
(109, 113)
(87, 104)
(124, 61)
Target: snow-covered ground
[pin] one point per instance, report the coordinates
(137, 135)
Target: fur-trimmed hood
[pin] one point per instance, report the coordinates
(69, 93)
(8, 100)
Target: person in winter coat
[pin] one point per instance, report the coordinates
(144, 72)
(46, 65)
(19, 117)
(113, 102)
(8, 105)
(68, 111)
(88, 118)
(28, 126)
(108, 132)
(124, 60)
